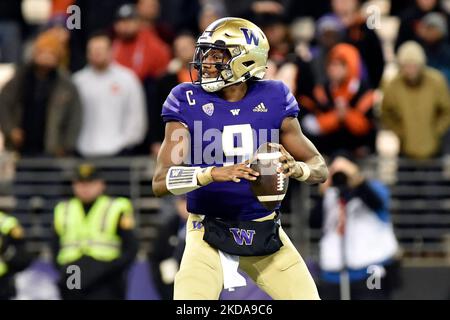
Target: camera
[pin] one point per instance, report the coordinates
(339, 179)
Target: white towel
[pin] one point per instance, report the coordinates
(231, 277)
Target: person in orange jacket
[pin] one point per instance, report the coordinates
(137, 47)
(339, 117)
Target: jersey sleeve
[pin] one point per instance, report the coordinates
(172, 108)
(290, 106)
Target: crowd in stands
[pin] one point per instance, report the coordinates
(97, 91)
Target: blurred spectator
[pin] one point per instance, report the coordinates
(14, 256)
(329, 32)
(276, 29)
(59, 7)
(432, 32)
(294, 67)
(398, 6)
(270, 7)
(11, 28)
(210, 12)
(248, 9)
(181, 14)
(96, 233)
(340, 115)
(114, 118)
(178, 72)
(45, 120)
(169, 246)
(358, 34)
(358, 238)
(410, 19)
(297, 74)
(138, 48)
(149, 13)
(416, 104)
(96, 16)
(57, 26)
(314, 9)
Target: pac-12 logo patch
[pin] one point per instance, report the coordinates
(208, 109)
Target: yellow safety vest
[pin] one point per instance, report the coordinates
(93, 234)
(7, 223)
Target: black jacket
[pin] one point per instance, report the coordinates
(16, 256)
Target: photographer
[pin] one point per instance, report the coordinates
(358, 245)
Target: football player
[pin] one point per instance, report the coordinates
(218, 119)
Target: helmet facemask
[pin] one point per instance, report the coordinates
(220, 57)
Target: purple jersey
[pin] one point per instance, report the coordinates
(224, 133)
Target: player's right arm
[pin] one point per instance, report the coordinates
(176, 136)
(173, 154)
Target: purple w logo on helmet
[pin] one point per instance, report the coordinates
(242, 235)
(250, 36)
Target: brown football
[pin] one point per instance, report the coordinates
(270, 187)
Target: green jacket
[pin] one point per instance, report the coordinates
(93, 234)
(7, 223)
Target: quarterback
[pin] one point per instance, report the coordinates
(213, 126)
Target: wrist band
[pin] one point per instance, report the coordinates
(204, 176)
(181, 180)
(306, 171)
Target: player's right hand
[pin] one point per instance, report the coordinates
(234, 173)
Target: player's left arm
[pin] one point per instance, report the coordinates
(300, 158)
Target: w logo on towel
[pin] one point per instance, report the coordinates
(197, 224)
(242, 235)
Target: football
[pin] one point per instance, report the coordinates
(270, 187)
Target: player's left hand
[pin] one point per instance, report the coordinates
(288, 166)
